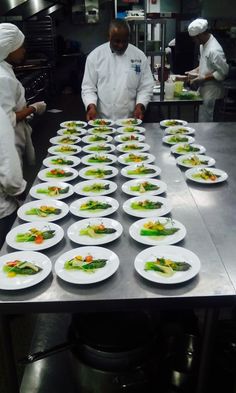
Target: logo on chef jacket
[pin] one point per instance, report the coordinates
(136, 65)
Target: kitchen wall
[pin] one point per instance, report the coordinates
(218, 8)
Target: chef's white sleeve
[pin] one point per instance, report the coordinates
(8, 99)
(220, 65)
(89, 83)
(145, 88)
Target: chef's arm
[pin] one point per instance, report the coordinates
(25, 112)
(145, 89)
(91, 112)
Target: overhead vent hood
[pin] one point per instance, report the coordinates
(26, 9)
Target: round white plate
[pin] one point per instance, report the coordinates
(102, 130)
(131, 130)
(73, 124)
(164, 209)
(24, 281)
(69, 140)
(173, 122)
(210, 160)
(32, 246)
(75, 207)
(179, 130)
(101, 122)
(88, 175)
(135, 182)
(44, 186)
(174, 149)
(103, 148)
(136, 227)
(81, 277)
(21, 212)
(223, 175)
(72, 132)
(149, 158)
(89, 139)
(79, 188)
(64, 149)
(174, 253)
(169, 139)
(127, 147)
(125, 171)
(111, 157)
(128, 122)
(73, 231)
(49, 161)
(129, 138)
(43, 174)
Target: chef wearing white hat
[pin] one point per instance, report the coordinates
(12, 93)
(212, 68)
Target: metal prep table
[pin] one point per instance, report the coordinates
(198, 207)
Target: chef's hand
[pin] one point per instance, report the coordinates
(39, 107)
(139, 111)
(91, 112)
(197, 82)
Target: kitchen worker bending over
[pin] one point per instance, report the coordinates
(12, 93)
(117, 82)
(212, 68)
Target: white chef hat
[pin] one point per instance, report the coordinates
(198, 26)
(11, 38)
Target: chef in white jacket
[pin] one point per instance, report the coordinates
(117, 82)
(212, 68)
(12, 184)
(12, 93)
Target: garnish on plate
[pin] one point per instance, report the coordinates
(101, 129)
(96, 230)
(194, 161)
(130, 122)
(98, 173)
(95, 205)
(53, 190)
(35, 235)
(68, 140)
(135, 158)
(71, 131)
(43, 211)
(144, 186)
(101, 122)
(186, 148)
(14, 268)
(65, 149)
(205, 174)
(73, 124)
(177, 139)
(96, 187)
(97, 138)
(166, 267)
(98, 158)
(140, 170)
(132, 137)
(146, 205)
(61, 161)
(101, 147)
(87, 264)
(170, 123)
(131, 146)
(157, 228)
(58, 173)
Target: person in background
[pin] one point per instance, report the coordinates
(12, 184)
(212, 68)
(12, 93)
(117, 82)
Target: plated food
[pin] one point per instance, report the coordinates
(138, 187)
(129, 138)
(23, 269)
(48, 210)
(65, 140)
(132, 147)
(167, 264)
(86, 265)
(140, 171)
(157, 231)
(73, 124)
(99, 159)
(184, 148)
(54, 190)
(95, 187)
(128, 122)
(131, 129)
(149, 206)
(97, 206)
(172, 122)
(72, 132)
(99, 148)
(101, 130)
(65, 173)
(64, 149)
(179, 130)
(206, 175)
(173, 139)
(195, 160)
(98, 172)
(101, 122)
(62, 161)
(134, 158)
(97, 138)
(95, 231)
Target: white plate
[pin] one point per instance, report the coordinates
(131, 130)
(103, 148)
(111, 157)
(124, 146)
(223, 175)
(32, 246)
(43, 174)
(24, 281)
(33, 191)
(187, 139)
(178, 122)
(21, 212)
(121, 138)
(163, 210)
(78, 124)
(73, 231)
(169, 252)
(149, 158)
(75, 207)
(179, 130)
(125, 171)
(87, 139)
(58, 140)
(72, 132)
(101, 122)
(174, 149)
(79, 188)
(135, 182)
(48, 162)
(80, 277)
(135, 228)
(84, 175)
(201, 157)
(101, 131)
(128, 122)
(58, 149)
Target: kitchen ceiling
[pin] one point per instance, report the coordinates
(24, 8)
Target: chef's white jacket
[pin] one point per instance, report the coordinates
(12, 99)
(212, 60)
(116, 83)
(11, 178)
